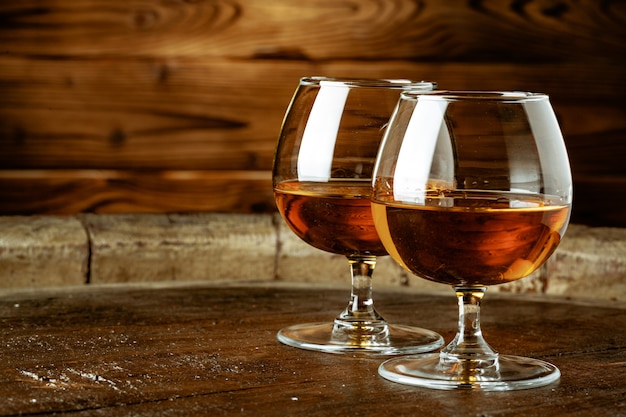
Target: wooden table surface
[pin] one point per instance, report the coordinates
(212, 350)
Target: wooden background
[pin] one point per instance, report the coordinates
(175, 105)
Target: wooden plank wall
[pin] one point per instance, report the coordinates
(175, 105)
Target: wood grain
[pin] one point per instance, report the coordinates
(212, 350)
(161, 86)
(73, 114)
(76, 191)
(456, 30)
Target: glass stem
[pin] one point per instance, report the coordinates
(359, 324)
(361, 305)
(469, 352)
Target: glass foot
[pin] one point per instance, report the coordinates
(335, 338)
(505, 374)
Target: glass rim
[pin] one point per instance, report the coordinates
(403, 83)
(478, 95)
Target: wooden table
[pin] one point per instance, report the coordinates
(212, 350)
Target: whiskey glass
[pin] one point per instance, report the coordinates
(471, 189)
(322, 177)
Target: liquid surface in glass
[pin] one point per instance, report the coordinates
(471, 238)
(334, 216)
